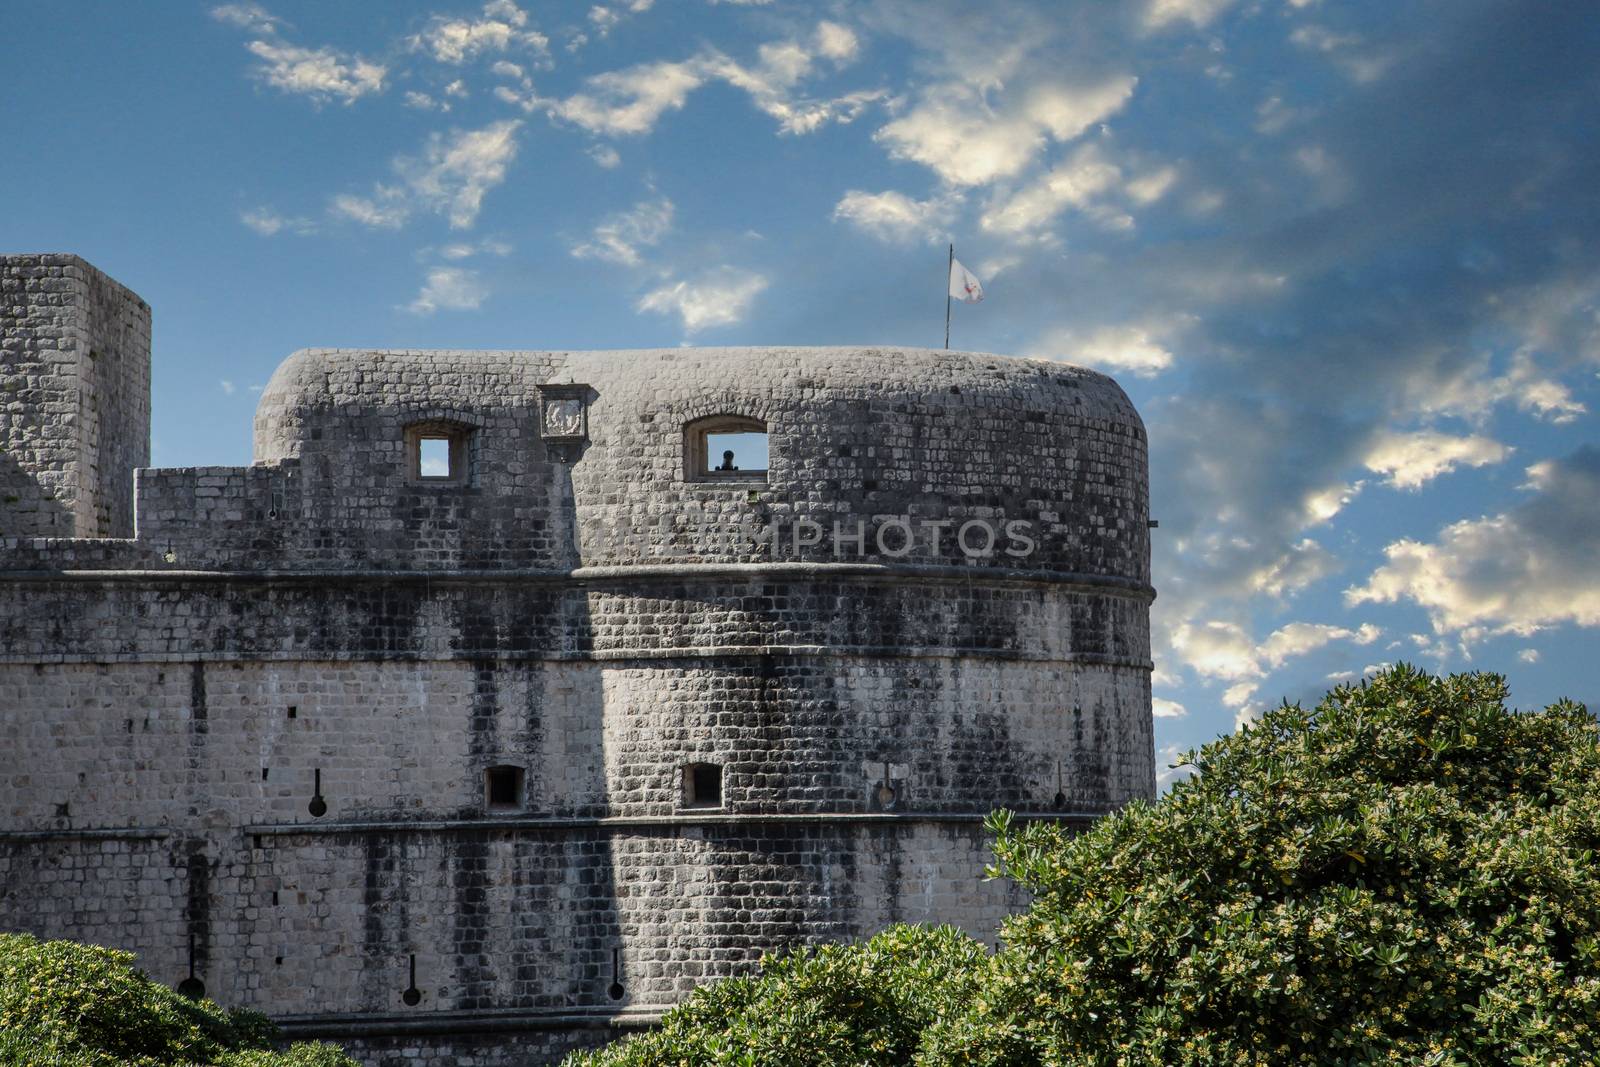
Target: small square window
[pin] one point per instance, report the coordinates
(702, 786)
(437, 452)
(502, 788)
(726, 447)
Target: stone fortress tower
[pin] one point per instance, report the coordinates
(483, 715)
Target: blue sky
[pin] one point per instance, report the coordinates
(1342, 255)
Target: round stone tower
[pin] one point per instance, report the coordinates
(508, 696)
(805, 680)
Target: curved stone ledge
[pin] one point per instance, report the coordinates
(1110, 585)
(512, 824)
(614, 657)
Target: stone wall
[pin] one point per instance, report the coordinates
(255, 740)
(74, 398)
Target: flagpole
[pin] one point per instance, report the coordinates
(949, 269)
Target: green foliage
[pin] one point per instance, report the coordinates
(855, 1005)
(1405, 874)
(70, 1005)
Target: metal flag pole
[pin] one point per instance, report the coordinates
(949, 269)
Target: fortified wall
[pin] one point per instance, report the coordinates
(491, 709)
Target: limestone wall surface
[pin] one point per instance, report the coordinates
(256, 739)
(74, 398)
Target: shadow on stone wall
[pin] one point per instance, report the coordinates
(27, 509)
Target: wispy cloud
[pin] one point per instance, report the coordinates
(631, 101)
(267, 222)
(1518, 571)
(895, 217)
(252, 17)
(503, 27)
(451, 177)
(319, 74)
(450, 289)
(1413, 459)
(719, 297)
(954, 132)
(619, 237)
(1130, 349)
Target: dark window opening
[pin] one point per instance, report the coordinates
(726, 447)
(502, 787)
(702, 786)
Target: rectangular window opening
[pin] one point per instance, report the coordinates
(702, 786)
(502, 788)
(736, 453)
(433, 457)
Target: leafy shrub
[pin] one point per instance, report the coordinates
(70, 1005)
(1405, 874)
(855, 1005)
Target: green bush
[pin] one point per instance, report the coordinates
(836, 1006)
(68, 1005)
(1405, 874)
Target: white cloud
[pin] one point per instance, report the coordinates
(1224, 651)
(1529, 655)
(953, 131)
(1322, 504)
(718, 298)
(1152, 185)
(1471, 391)
(1298, 638)
(1237, 696)
(266, 222)
(895, 217)
(1158, 13)
(1081, 182)
(1348, 51)
(632, 101)
(1413, 459)
(503, 26)
(1216, 650)
(449, 289)
(424, 102)
(1302, 565)
(228, 387)
(618, 238)
(1516, 572)
(318, 73)
(460, 250)
(451, 177)
(605, 156)
(386, 209)
(1167, 709)
(604, 19)
(252, 17)
(1130, 348)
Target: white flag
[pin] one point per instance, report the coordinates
(964, 285)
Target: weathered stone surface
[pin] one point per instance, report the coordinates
(326, 624)
(74, 398)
